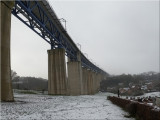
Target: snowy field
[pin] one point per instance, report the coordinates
(27, 107)
(152, 94)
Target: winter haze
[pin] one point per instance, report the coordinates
(119, 36)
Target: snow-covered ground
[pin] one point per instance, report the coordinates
(152, 94)
(27, 106)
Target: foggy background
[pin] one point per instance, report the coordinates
(119, 36)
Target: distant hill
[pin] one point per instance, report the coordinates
(126, 80)
(30, 83)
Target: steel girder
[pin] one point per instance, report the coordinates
(37, 20)
(32, 14)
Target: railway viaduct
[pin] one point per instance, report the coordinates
(83, 76)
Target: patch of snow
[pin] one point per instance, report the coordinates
(151, 104)
(152, 94)
(27, 106)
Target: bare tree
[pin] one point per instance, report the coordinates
(13, 74)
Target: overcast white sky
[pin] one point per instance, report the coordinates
(119, 36)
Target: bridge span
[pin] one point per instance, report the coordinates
(83, 76)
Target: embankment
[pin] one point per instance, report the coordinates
(142, 111)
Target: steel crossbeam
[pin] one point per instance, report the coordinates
(43, 21)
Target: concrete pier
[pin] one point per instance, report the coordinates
(84, 81)
(90, 82)
(98, 82)
(95, 82)
(74, 78)
(75, 85)
(5, 23)
(57, 83)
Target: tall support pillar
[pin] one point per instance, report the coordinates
(94, 82)
(5, 24)
(98, 81)
(84, 81)
(57, 83)
(75, 85)
(90, 82)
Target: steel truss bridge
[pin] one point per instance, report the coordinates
(41, 18)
